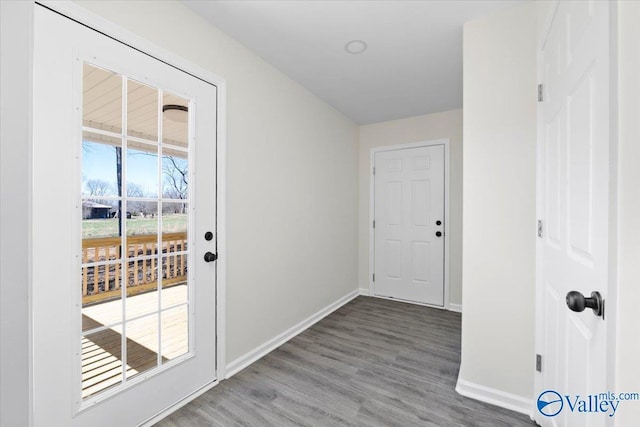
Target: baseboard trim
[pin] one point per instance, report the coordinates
(248, 358)
(365, 292)
(179, 404)
(455, 307)
(495, 397)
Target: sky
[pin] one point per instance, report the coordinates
(99, 162)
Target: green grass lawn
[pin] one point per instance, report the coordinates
(172, 223)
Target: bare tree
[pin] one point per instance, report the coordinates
(135, 190)
(98, 187)
(176, 178)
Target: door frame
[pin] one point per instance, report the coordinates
(429, 143)
(87, 18)
(612, 285)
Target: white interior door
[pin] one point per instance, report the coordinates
(124, 190)
(573, 205)
(409, 224)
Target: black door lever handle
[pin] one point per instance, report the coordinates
(210, 256)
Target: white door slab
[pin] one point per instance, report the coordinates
(163, 338)
(409, 224)
(573, 205)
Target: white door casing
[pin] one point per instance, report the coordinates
(573, 205)
(409, 200)
(60, 48)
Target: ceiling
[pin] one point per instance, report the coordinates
(412, 66)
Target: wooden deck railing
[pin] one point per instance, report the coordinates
(103, 282)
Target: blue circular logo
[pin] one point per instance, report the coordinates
(550, 403)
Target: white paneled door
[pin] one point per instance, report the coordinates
(124, 238)
(573, 207)
(409, 224)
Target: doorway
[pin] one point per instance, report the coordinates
(409, 222)
(125, 200)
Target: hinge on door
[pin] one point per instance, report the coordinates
(539, 228)
(538, 363)
(540, 97)
(374, 277)
(374, 170)
(374, 223)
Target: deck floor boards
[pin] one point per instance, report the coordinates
(102, 351)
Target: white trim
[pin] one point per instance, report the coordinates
(365, 292)
(16, 90)
(455, 307)
(179, 404)
(84, 16)
(221, 238)
(248, 358)
(446, 143)
(495, 397)
(77, 12)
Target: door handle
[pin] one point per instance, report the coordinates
(578, 302)
(210, 256)
(438, 233)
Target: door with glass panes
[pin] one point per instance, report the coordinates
(124, 193)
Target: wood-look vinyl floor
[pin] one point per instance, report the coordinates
(373, 362)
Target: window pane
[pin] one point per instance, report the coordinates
(142, 111)
(175, 174)
(99, 219)
(142, 171)
(175, 217)
(142, 221)
(142, 344)
(101, 361)
(101, 163)
(175, 288)
(175, 333)
(175, 126)
(101, 99)
(101, 296)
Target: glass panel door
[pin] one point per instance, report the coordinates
(123, 194)
(135, 228)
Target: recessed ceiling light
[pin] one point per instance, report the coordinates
(355, 46)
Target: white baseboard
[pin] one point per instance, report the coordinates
(495, 397)
(455, 307)
(248, 358)
(365, 292)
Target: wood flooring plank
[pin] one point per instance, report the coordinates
(373, 362)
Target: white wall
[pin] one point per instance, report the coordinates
(628, 319)
(498, 269)
(292, 180)
(447, 124)
(15, 131)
